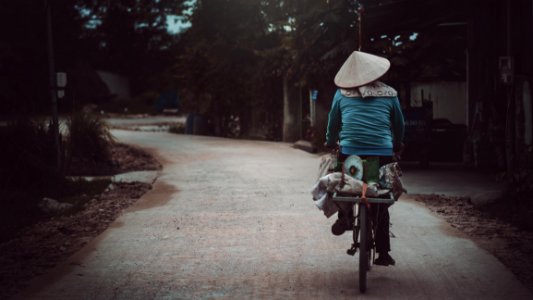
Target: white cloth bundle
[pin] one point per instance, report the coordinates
(389, 181)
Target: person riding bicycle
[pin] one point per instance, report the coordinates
(366, 119)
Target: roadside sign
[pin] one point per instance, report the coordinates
(314, 95)
(61, 79)
(61, 83)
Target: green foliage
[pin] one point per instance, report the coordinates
(89, 138)
(217, 68)
(234, 58)
(323, 36)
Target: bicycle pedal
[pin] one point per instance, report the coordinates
(351, 251)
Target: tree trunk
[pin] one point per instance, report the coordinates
(290, 112)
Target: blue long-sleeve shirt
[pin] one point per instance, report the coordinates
(365, 126)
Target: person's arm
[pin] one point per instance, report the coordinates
(334, 122)
(398, 125)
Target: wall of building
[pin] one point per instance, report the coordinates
(448, 97)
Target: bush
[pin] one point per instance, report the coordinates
(89, 138)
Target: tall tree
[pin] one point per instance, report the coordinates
(218, 68)
(252, 46)
(131, 37)
(316, 37)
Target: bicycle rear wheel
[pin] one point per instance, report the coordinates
(364, 247)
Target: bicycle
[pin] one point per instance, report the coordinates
(363, 229)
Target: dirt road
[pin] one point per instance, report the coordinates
(235, 220)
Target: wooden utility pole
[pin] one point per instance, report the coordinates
(52, 83)
(359, 8)
(509, 119)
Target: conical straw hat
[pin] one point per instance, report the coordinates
(361, 68)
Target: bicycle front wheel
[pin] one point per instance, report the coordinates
(364, 247)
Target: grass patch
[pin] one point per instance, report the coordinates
(89, 138)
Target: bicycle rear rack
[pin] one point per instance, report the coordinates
(357, 199)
